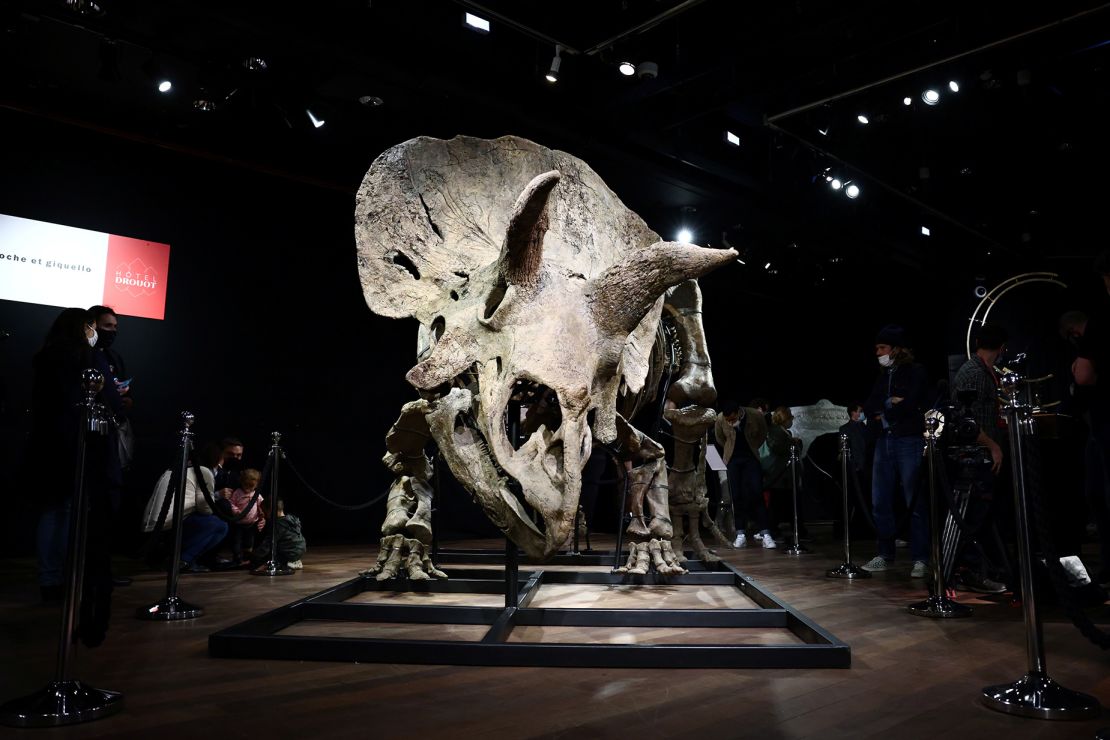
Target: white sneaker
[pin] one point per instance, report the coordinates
(768, 541)
(295, 564)
(741, 540)
(876, 563)
(918, 570)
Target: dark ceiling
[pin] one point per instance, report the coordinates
(1011, 167)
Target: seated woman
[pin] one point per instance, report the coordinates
(201, 530)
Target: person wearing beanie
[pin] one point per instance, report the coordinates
(897, 407)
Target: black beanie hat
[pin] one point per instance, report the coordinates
(891, 334)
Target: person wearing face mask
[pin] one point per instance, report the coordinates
(897, 407)
(51, 462)
(107, 330)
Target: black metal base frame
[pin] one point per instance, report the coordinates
(260, 637)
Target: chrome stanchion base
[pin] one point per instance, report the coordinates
(1038, 696)
(797, 549)
(939, 607)
(60, 703)
(273, 568)
(169, 609)
(848, 570)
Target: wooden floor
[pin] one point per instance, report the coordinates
(910, 677)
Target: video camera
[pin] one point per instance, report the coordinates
(960, 428)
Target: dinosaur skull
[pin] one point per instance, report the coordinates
(530, 280)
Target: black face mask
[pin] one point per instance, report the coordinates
(104, 339)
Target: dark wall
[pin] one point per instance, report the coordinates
(266, 328)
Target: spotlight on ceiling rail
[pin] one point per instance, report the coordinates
(255, 64)
(907, 100)
(930, 97)
(552, 75)
(863, 119)
(627, 69)
(165, 86)
(851, 190)
(732, 138)
(316, 122)
(953, 86)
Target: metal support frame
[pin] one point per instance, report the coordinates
(847, 569)
(1035, 694)
(937, 605)
(260, 637)
(66, 700)
(171, 607)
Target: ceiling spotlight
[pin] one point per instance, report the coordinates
(475, 22)
(907, 100)
(204, 105)
(684, 235)
(647, 70)
(371, 101)
(553, 73)
(255, 64)
(732, 138)
(165, 86)
(852, 191)
(926, 231)
(316, 122)
(823, 131)
(767, 266)
(953, 86)
(627, 69)
(931, 97)
(836, 184)
(863, 119)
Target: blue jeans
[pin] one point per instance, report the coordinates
(199, 534)
(898, 460)
(52, 543)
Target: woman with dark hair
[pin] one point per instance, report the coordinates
(52, 464)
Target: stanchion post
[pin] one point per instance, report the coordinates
(847, 569)
(274, 566)
(65, 700)
(171, 607)
(937, 605)
(797, 548)
(1035, 694)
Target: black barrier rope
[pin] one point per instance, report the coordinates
(1056, 572)
(325, 499)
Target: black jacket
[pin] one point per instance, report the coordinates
(911, 383)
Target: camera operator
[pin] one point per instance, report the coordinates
(977, 384)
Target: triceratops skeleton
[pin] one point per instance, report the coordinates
(523, 269)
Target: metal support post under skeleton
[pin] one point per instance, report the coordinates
(65, 700)
(1034, 694)
(847, 569)
(170, 607)
(796, 548)
(937, 605)
(274, 566)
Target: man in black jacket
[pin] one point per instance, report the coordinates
(897, 407)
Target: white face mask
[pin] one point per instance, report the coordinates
(886, 360)
(92, 339)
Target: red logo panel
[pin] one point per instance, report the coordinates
(135, 277)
